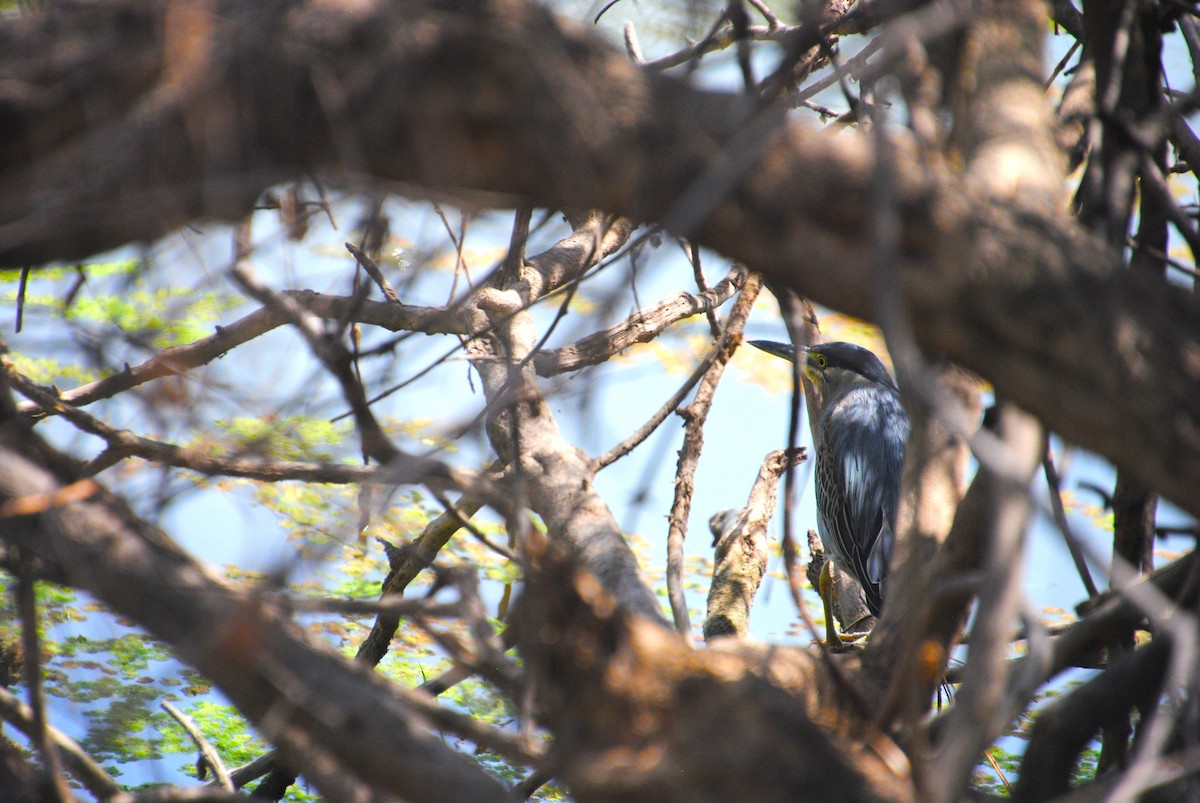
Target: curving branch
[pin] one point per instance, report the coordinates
(694, 416)
(75, 759)
(121, 443)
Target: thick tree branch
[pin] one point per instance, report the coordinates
(1022, 297)
(549, 474)
(279, 681)
(653, 705)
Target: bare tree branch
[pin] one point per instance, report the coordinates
(979, 716)
(179, 359)
(740, 541)
(47, 748)
(640, 327)
(668, 700)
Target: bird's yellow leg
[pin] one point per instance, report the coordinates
(825, 587)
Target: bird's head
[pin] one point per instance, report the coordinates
(827, 363)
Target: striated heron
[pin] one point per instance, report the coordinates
(859, 440)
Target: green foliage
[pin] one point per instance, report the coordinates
(94, 270)
(222, 726)
(299, 437)
(56, 606)
(291, 438)
(48, 371)
(116, 684)
(167, 316)
(1085, 768)
(157, 316)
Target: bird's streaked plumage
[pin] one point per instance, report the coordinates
(859, 443)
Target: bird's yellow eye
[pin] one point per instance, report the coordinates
(822, 361)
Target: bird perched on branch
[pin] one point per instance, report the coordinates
(859, 437)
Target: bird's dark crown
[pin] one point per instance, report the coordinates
(846, 356)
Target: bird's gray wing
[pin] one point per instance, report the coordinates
(866, 433)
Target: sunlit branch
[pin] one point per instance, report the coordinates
(740, 543)
(373, 271)
(208, 753)
(640, 327)
(694, 416)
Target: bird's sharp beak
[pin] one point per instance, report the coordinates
(782, 350)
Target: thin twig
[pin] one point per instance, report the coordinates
(21, 300)
(47, 748)
(177, 360)
(714, 325)
(1054, 484)
(459, 241)
(772, 20)
(209, 753)
(122, 444)
(332, 354)
(374, 272)
(1062, 64)
(475, 532)
(645, 430)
